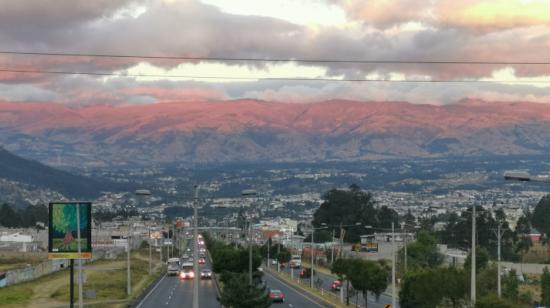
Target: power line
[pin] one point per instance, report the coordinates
(227, 59)
(265, 78)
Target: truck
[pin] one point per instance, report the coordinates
(173, 266)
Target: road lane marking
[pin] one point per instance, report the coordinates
(152, 290)
(293, 289)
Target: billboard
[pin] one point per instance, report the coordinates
(65, 218)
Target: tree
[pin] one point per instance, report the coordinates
(8, 217)
(522, 240)
(511, 285)
(351, 207)
(423, 252)
(545, 287)
(482, 259)
(429, 287)
(320, 236)
(368, 276)
(541, 216)
(238, 293)
(341, 267)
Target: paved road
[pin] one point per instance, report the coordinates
(293, 297)
(327, 281)
(171, 291)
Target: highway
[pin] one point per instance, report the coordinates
(171, 291)
(327, 281)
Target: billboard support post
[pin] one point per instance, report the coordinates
(80, 291)
(71, 283)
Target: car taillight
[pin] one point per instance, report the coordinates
(280, 295)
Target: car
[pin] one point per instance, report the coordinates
(186, 271)
(276, 296)
(202, 260)
(336, 285)
(206, 273)
(190, 259)
(185, 256)
(305, 273)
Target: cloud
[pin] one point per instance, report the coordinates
(474, 14)
(428, 30)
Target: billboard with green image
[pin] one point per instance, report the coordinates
(64, 224)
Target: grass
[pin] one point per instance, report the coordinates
(53, 290)
(111, 285)
(16, 295)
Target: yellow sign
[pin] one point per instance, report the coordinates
(70, 255)
(387, 306)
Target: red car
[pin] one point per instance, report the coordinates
(276, 296)
(202, 261)
(336, 285)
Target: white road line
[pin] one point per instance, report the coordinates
(152, 290)
(293, 289)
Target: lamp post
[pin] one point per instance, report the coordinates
(195, 248)
(473, 259)
(249, 193)
(143, 193)
(312, 252)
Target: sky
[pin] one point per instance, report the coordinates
(504, 33)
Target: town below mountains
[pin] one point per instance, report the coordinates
(258, 131)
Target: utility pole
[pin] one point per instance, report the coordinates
(311, 252)
(404, 230)
(268, 244)
(499, 238)
(249, 252)
(278, 253)
(195, 249)
(150, 252)
(393, 287)
(332, 251)
(128, 244)
(473, 259)
(80, 302)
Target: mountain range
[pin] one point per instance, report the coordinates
(251, 130)
(21, 176)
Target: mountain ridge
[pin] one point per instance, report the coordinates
(251, 130)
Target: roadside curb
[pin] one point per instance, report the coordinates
(136, 301)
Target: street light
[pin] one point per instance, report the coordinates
(249, 193)
(525, 177)
(195, 247)
(140, 193)
(311, 251)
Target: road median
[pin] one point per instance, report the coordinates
(321, 295)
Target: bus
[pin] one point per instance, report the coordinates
(173, 266)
